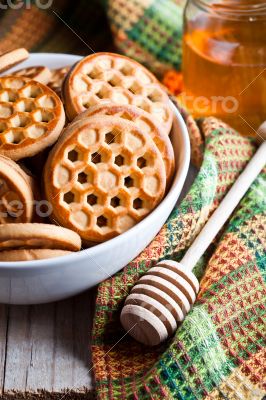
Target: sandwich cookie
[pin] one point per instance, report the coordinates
(30, 254)
(16, 193)
(38, 236)
(12, 58)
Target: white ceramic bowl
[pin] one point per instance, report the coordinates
(55, 279)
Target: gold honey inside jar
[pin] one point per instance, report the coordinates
(224, 61)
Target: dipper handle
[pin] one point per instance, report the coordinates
(225, 209)
(165, 294)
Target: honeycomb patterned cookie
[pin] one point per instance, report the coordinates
(144, 121)
(16, 195)
(39, 73)
(57, 78)
(31, 117)
(108, 77)
(103, 176)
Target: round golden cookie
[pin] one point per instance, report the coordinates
(33, 186)
(39, 73)
(145, 122)
(11, 58)
(31, 117)
(30, 254)
(39, 236)
(23, 171)
(40, 207)
(103, 176)
(108, 77)
(16, 194)
(57, 78)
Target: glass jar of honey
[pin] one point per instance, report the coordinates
(224, 61)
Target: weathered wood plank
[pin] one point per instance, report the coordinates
(63, 346)
(83, 320)
(45, 395)
(18, 348)
(48, 346)
(40, 359)
(72, 332)
(3, 338)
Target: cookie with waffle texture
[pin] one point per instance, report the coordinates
(31, 117)
(16, 193)
(107, 77)
(38, 236)
(103, 176)
(145, 122)
(39, 73)
(12, 58)
(57, 77)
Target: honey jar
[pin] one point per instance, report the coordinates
(224, 61)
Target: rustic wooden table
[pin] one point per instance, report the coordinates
(45, 349)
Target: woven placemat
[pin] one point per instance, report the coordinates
(79, 27)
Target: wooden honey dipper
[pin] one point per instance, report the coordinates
(165, 294)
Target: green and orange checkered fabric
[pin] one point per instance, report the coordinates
(73, 27)
(219, 350)
(148, 30)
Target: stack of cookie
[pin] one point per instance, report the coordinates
(105, 171)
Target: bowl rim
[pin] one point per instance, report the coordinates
(91, 252)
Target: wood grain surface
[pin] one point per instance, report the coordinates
(45, 349)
